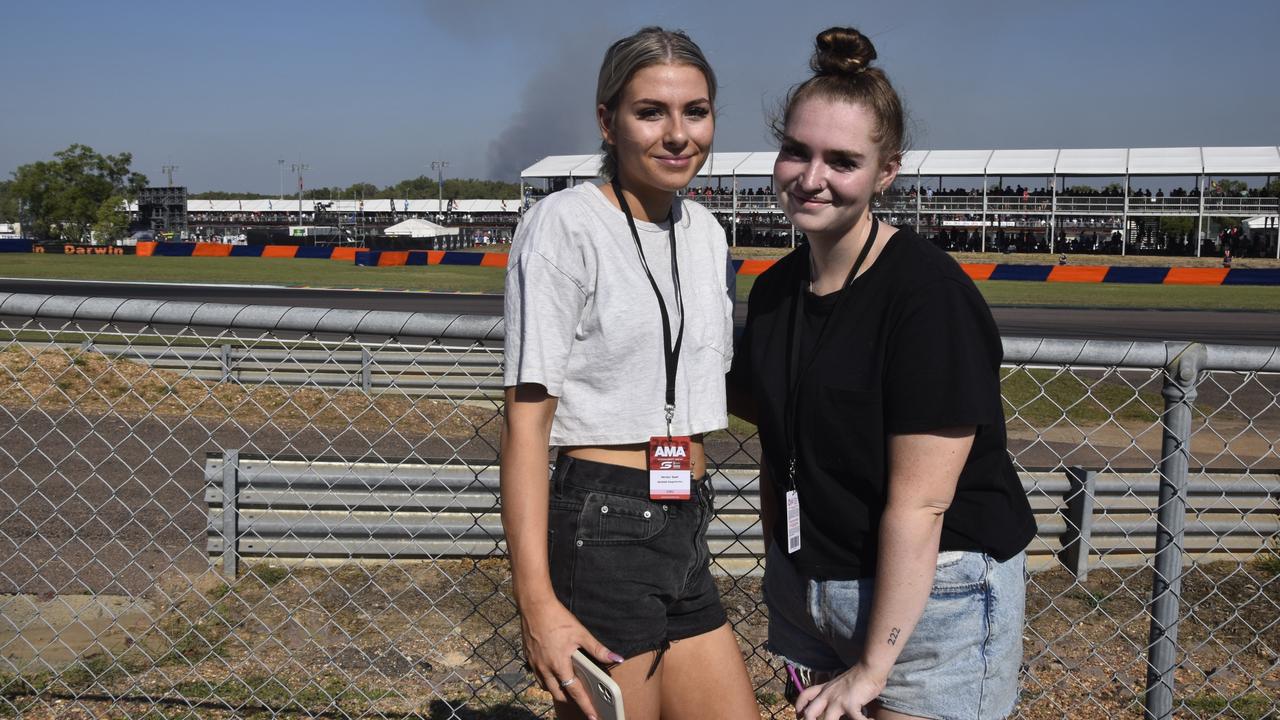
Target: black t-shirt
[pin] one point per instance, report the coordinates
(912, 349)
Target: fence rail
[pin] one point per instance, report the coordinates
(362, 571)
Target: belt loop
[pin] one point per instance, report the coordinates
(559, 468)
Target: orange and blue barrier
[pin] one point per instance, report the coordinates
(315, 252)
(1121, 274)
(395, 258)
(1132, 275)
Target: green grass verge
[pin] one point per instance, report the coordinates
(252, 271)
(1250, 706)
(333, 274)
(1044, 397)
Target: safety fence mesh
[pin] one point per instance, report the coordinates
(221, 511)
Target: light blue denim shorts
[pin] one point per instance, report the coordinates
(961, 662)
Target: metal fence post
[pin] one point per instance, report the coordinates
(1078, 514)
(366, 369)
(1166, 581)
(230, 512)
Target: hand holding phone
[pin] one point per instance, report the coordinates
(605, 694)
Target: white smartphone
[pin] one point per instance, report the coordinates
(605, 694)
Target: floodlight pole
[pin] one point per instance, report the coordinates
(299, 168)
(168, 171)
(439, 166)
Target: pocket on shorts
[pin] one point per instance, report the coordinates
(960, 573)
(608, 519)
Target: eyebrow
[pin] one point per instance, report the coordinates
(663, 103)
(844, 154)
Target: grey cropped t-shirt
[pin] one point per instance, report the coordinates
(582, 319)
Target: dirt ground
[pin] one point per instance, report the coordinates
(423, 639)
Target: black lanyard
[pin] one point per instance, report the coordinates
(794, 372)
(670, 350)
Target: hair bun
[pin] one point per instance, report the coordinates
(842, 51)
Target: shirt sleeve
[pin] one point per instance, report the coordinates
(731, 287)
(543, 303)
(942, 367)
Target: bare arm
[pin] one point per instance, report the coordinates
(551, 633)
(525, 485)
(923, 471)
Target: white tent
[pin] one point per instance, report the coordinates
(415, 227)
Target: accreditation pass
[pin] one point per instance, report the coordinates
(793, 521)
(670, 468)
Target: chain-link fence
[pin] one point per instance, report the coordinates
(229, 511)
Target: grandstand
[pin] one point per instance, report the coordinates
(964, 200)
(355, 220)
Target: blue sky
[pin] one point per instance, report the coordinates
(374, 91)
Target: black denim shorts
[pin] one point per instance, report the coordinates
(634, 571)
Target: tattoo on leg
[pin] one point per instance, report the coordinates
(893, 636)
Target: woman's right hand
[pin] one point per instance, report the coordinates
(551, 634)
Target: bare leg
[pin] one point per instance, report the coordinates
(704, 678)
(640, 689)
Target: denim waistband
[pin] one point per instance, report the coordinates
(592, 475)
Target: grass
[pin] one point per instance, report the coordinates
(1042, 398)
(1268, 563)
(252, 271)
(331, 274)
(269, 575)
(1251, 706)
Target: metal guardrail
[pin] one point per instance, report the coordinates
(383, 510)
(437, 371)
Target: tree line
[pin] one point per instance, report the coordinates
(81, 194)
(77, 193)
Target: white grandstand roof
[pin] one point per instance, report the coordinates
(1094, 161)
(1165, 161)
(1263, 160)
(725, 163)
(556, 166)
(911, 160)
(757, 164)
(955, 162)
(1241, 160)
(1022, 162)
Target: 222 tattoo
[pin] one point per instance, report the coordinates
(893, 636)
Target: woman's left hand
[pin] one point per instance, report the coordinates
(847, 695)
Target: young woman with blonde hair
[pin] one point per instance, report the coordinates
(618, 336)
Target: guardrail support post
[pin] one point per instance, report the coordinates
(1079, 516)
(366, 369)
(1166, 580)
(230, 512)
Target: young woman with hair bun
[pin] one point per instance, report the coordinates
(619, 328)
(895, 521)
